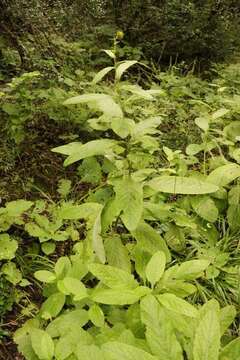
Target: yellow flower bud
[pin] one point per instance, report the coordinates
(119, 35)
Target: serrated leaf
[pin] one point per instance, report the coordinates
(155, 267)
(182, 185)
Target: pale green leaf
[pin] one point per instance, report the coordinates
(101, 102)
(119, 296)
(113, 277)
(178, 305)
(182, 185)
(129, 199)
(45, 276)
(207, 338)
(155, 267)
(110, 53)
(8, 247)
(231, 351)
(120, 351)
(124, 66)
(52, 306)
(150, 240)
(89, 352)
(202, 123)
(224, 175)
(205, 207)
(96, 315)
(42, 344)
(117, 254)
(100, 75)
(91, 148)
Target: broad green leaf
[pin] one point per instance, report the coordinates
(155, 267)
(220, 113)
(119, 351)
(18, 207)
(113, 277)
(45, 276)
(68, 343)
(232, 131)
(193, 149)
(48, 247)
(175, 238)
(73, 286)
(122, 127)
(150, 240)
(163, 341)
(224, 175)
(233, 216)
(52, 306)
(63, 324)
(129, 198)
(91, 148)
(8, 247)
(96, 315)
(117, 254)
(178, 305)
(62, 267)
(42, 344)
(101, 102)
(100, 75)
(207, 338)
(231, 351)
(145, 127)
(97, 241)
(205, 207)
(124, 66)
(227, 316)
(182, 185)
(202, 123)
(119, 296)
(12, 274)
(89, 352)
(188, 270)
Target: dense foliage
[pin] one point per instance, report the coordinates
(120, 193)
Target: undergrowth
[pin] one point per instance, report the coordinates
(134, 251)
